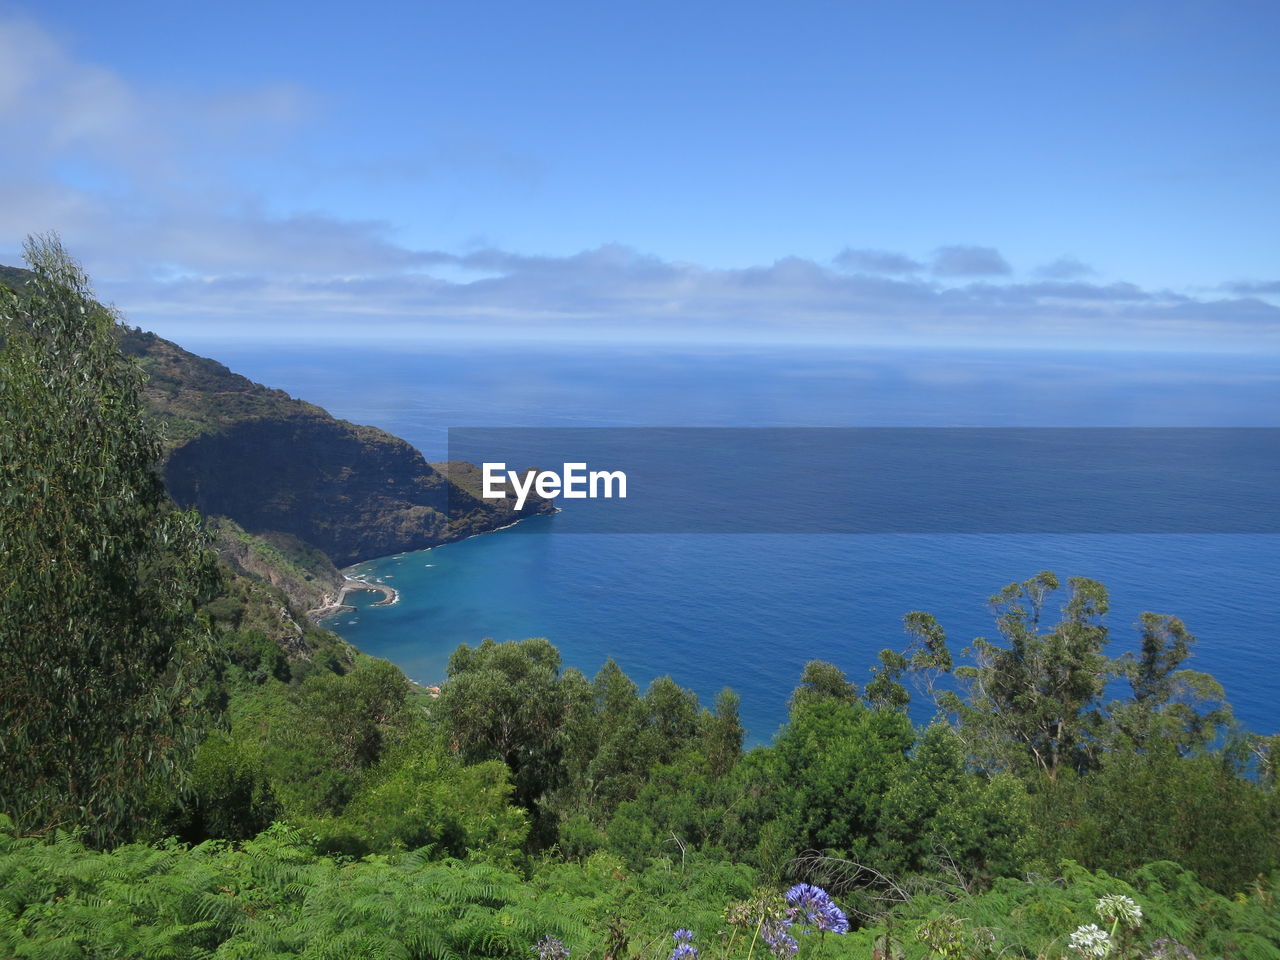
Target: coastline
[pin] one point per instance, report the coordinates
(350, 585)
(505, 526)
(389, 594)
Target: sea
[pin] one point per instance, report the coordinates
(748, 610)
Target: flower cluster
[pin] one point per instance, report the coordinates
(1091, 941)
(818, 908)
(1115, 907)
(685, 950)
(776, 920)
(549, 948)
(781, 944)
(745, 914)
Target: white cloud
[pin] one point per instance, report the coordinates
(614, 292)
(174, 238)
(134, 178)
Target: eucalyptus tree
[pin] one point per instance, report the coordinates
(100, 644)
(1185, 708)
(1036, 702)
(506, 701)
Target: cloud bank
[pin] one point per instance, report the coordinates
(616, 293)
(179, 241)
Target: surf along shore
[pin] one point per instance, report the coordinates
(349, 585)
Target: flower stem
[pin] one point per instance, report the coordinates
(753, 938)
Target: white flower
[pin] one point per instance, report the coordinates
(1114, 907)
(1091, 941)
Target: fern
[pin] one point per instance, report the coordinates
(273, 897)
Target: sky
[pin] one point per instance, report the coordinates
(1085, 175)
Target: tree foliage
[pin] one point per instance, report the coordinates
(505, 701)
(1035, 702)
(832, 765)
(98, 629)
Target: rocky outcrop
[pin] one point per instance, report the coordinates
(277, 465)
(354, 492)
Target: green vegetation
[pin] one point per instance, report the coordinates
(302, 572)
(193, 396)
(190, 768)
(101, 648)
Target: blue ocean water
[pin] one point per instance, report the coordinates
(747, 611)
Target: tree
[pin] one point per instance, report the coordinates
(937, 813)
(929, 659)
(831, 766)
(1184, 707)
(1154, 804)
(671, 719)
(722, 734)
(354, 713)
(505, 701)
(100, 645)
(822, 680)
(1035, 703)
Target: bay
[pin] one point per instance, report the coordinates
(747, 611)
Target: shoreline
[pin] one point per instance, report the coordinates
(389, 594)
(350, 585)
(505, 526)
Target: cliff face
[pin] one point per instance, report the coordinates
(285, 470)
(275, 464)
(354, 492)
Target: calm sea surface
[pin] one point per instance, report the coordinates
(747, 611)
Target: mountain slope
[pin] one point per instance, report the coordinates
(276, 464)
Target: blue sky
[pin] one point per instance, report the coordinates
(1088, 174)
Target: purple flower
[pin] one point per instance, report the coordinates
(818, 908)
(549, 948)
(806, 896)
(830, 917)
(781, 944)
(685, 950)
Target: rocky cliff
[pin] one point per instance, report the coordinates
(275, 464)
